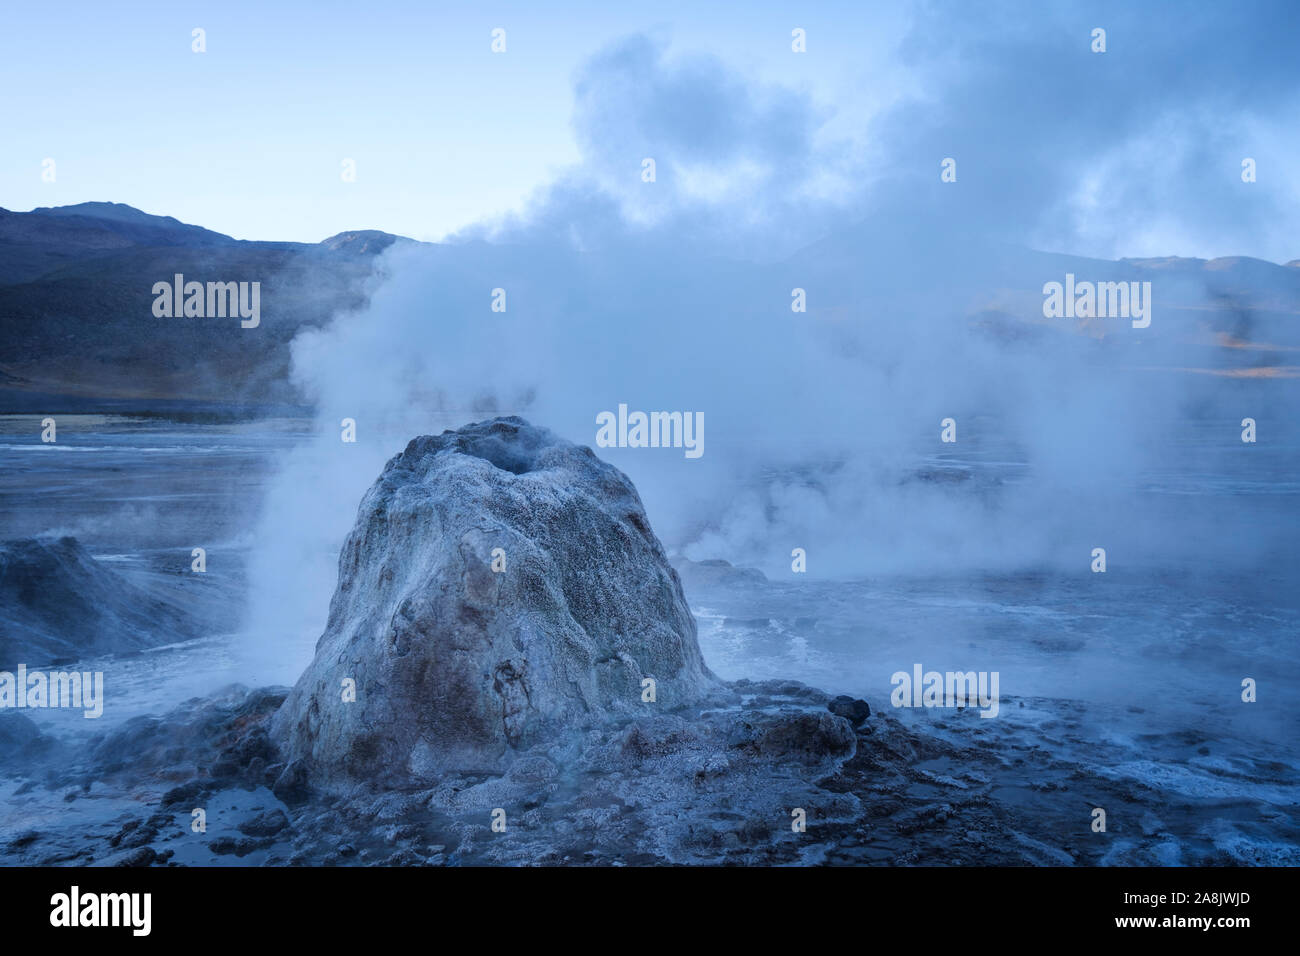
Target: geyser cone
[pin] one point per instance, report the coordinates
(500, 585)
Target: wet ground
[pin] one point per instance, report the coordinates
(1121, 693)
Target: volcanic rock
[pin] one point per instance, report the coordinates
(500, 586)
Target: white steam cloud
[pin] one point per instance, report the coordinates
(822, 428)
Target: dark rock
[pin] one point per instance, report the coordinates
(255, 745)
(117, 837)
(186, 793)
(854, 711)
(247, 757)
(776, 691)
(292, 785)
(265, 824)
(656, 737)
(812, 736)
(218, 735)
(136, 833)
(402, 858)
(22, 841)
(238, 846)
(140, 856)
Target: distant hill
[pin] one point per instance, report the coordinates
(35, 243)
(78, 333)
(76, 307)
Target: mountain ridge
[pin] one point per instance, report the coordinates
(77, 326)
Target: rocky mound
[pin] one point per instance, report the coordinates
(713, 573)
(58, 603)
(500, 585)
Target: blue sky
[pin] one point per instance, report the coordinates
(1134, 152)
(248, 137)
